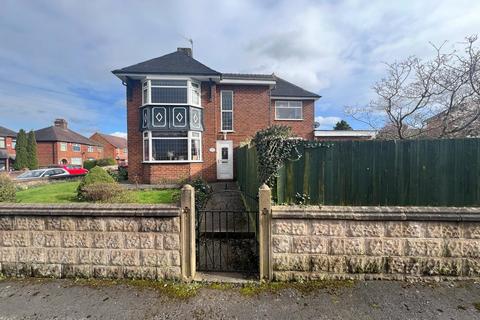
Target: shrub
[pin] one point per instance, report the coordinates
(122, 173)
(106, 192)
(274, 145)
(202, 192)
(96, 175)
(7, 189)
(89, 164)
(106, 162)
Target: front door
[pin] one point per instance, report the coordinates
(224, 160)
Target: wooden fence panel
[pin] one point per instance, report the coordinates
(414, 172)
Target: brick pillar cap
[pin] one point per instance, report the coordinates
(187, 187)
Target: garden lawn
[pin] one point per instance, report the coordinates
(66, 192)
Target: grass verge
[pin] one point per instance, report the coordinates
(66, 192)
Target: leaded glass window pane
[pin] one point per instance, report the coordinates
(169, 95)
(227, 100)
(227, 121)
(170, 149)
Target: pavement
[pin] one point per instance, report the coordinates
(66, 299)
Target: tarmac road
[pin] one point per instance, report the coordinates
(66, 299)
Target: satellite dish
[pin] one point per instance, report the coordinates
(316, 125)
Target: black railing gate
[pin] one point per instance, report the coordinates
(226, 241)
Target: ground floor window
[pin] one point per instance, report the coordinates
(3, 164)
(77, 161)
(161, 146)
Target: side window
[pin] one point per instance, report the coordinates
(226, 110)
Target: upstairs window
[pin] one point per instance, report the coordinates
(2, 143)
(63, 146)
(226, 110)
(76, 147)
(288, 110)
(171, 92)
(90, 149)
(14, 143)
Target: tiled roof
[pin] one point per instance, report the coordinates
(5, 132)
(180, 63)
(174, 63)
(117, 142)
(248, 76)
(284, 88)
(54, 133)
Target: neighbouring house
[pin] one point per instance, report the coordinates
(113, 147)
(59, 145)
(8, 139)
(185, 119)
(342, 135)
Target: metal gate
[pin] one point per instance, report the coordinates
(226, 241)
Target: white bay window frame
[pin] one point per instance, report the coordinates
(147, 91)
(288, 104)
(191, 136)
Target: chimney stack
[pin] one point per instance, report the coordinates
(61, 123)
(187, 51)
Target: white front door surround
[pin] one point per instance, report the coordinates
(224, 159)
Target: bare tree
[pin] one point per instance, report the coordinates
(439, 97)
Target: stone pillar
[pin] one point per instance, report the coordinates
(188, 232)
(265, 212)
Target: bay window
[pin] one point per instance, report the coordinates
(171, 92)
(182, 146)
(226, 107)
(288, 110)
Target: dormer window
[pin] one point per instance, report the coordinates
(170, 92)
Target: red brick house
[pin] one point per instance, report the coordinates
(59, 145)
(7, 148)
(185, 119)
(113, 147)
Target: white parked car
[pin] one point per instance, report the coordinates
(43, 173)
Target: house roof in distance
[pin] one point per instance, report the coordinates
(5, 132)
(179, 62)
(60, 132)
(117, 142)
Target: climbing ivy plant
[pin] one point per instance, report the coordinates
(274, 145)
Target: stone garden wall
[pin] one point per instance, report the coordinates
(88, 240)
(375, 243)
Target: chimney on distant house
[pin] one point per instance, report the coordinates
(187, 51)
(61, 123)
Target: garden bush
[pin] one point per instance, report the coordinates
(106, 192)
(106, 162)
(7, 189)
(96, 175)
(89, 164)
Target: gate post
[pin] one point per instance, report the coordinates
(265, 214)
(188, 232)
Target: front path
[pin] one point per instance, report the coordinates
(64, 299)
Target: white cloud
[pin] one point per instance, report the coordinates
(327, 123)
(56, 60)
(119, 134)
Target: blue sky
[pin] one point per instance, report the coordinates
(56, 56)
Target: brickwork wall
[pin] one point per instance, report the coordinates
(349, 242)
(253, 111)
(63, 245)
(304, 128)
(49, 153)
(109, 150)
